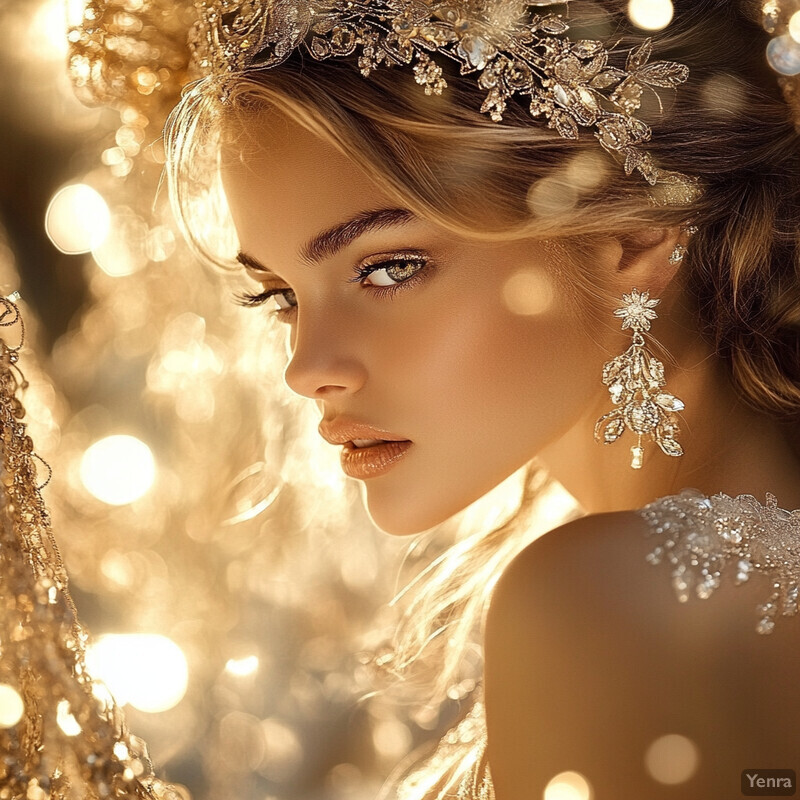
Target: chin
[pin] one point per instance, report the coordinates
(398, 517)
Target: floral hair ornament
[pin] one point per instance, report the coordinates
(510, 46)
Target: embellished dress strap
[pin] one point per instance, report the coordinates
(458, 768)
(477, 781)
(701, 535)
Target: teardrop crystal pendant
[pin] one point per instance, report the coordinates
(636, 455)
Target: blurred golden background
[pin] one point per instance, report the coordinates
(236, 591)
(228, 574)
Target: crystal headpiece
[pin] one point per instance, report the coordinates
(512, 48)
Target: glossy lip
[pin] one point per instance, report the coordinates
(341, 430)
(364, 462)
(377, 459)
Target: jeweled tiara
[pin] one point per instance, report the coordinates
(513, 48)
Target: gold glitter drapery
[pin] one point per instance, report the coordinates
(70, 738)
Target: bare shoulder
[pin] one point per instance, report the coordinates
(590, 660)
(593, 560)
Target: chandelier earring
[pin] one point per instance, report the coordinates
(636, 384)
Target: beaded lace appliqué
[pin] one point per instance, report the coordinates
(700, 536)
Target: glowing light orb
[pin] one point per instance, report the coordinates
(66, 721)
(148, 671)
(672, 759)
(48, 29)
(650, 15)
(783, 55)
(242, 666)
(568, 786)
(77, 219)
(11, 706)
(118, 469)
(794, 26)
(528, 293)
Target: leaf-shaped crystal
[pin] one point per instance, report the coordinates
(565, 124)
(670, 447)
(633, 159)
(562, 95)
(590, 70)
(607, 77)
(656, 369)
(553, 25)
(612, 134)
(648, 169)
(614, 429)
(639, 56)
(586, 48)
(612, 368)
(663, 73)
(616, 414)
(670, 402)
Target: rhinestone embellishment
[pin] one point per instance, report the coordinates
(518, 48)
(702, 536)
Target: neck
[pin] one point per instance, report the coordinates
(728, 448)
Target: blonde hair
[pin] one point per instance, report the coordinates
(440, 156)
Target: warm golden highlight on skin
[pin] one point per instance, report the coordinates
(468, 357)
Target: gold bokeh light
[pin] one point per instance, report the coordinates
(650, 15)
(148, 671)
(672, 759)
(77, 219)
(11, 706)
(118, 469)
(568, 785)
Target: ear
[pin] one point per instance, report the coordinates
(644, 259)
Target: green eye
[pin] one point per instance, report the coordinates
(392, 272)
(285, 299)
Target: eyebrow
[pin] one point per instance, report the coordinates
(329, 242)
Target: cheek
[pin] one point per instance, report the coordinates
(497, 372)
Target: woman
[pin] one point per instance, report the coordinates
(467, 295)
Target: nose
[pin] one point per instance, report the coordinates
(324, 360)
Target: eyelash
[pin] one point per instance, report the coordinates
(259, 299)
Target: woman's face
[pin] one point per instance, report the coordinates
(400, 330)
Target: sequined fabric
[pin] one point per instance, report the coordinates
(458, 769)
(70, 739)
(701, 536)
